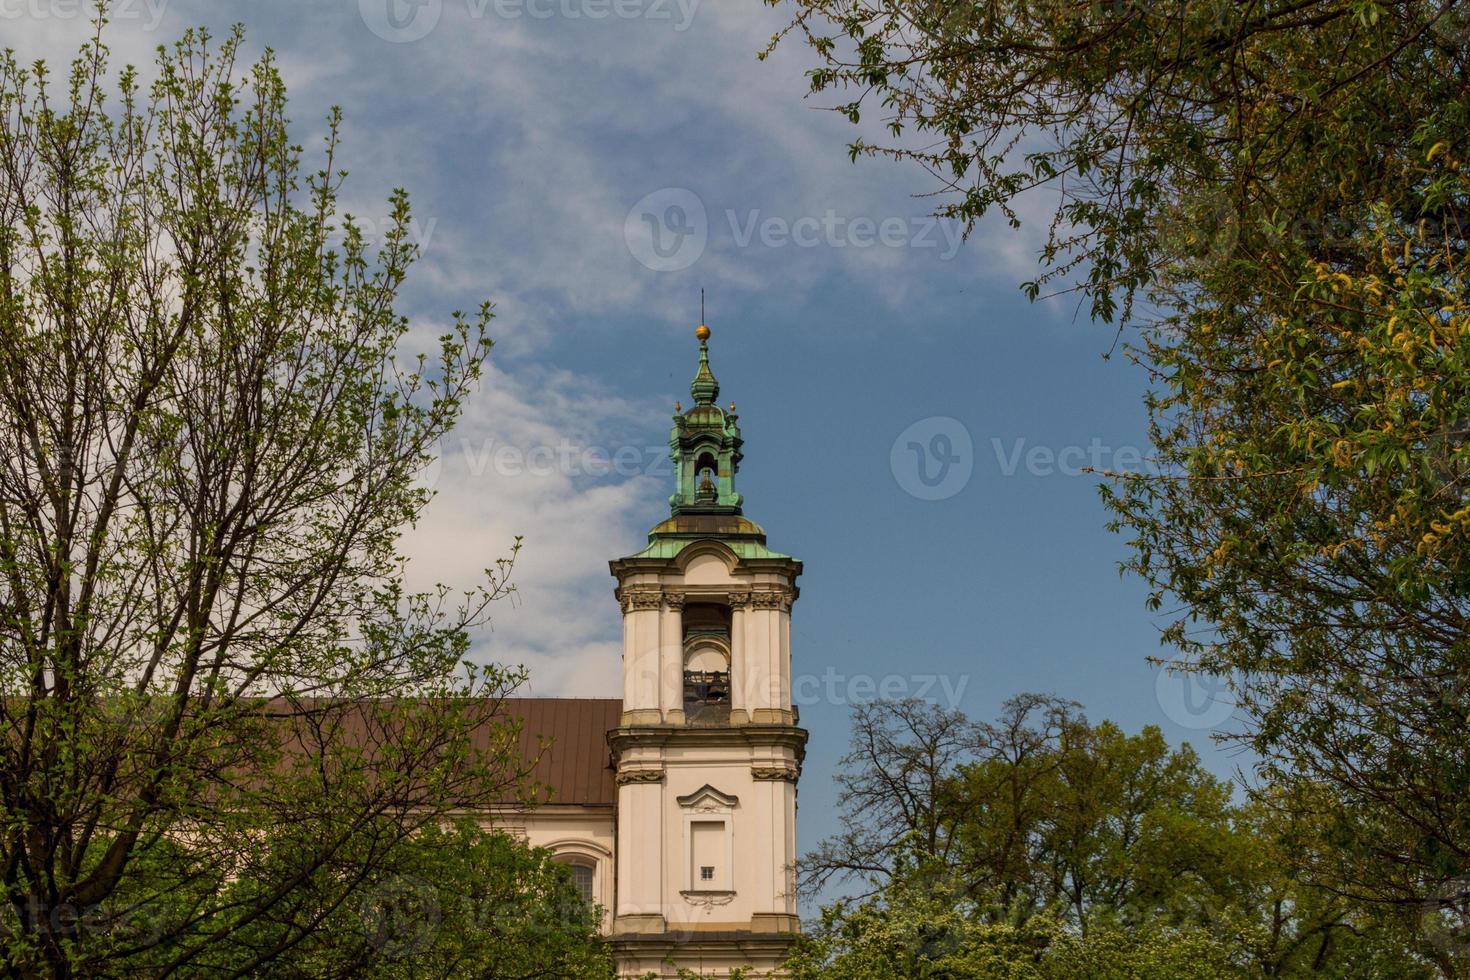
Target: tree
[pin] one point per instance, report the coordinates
(1159, 125)
(910, 934)
(460, 902)
(1043, 845)
(1285, 183)
(223, 713)
(1037, 811)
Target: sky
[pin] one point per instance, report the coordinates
(915, 429)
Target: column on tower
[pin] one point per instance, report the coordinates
(740, 672)
(641, 655)
(766, 633)
(671, 658)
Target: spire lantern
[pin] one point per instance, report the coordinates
(705, 446)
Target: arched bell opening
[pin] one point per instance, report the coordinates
(706, 663)
(706, 477)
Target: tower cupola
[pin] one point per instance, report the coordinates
(705, 446)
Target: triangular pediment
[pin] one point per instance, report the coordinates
(706, 796)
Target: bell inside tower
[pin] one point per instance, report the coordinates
(706, 663)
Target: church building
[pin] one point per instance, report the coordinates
(676, 805)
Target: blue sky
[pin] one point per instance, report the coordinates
(543, 143)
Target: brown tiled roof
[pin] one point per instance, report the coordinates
(577, 764)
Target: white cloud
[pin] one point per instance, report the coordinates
(526, 460)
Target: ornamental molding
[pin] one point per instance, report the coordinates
(631, 599)
(640, 599)
(771, 600)
(740, 600)
(640, 776)
(789, 774)
(708, 899)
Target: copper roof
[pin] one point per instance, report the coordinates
(576, 763)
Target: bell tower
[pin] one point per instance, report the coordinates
(708, 751)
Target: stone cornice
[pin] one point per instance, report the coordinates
(739, 941)
(653, 597)
(786, 736)
(620, 567)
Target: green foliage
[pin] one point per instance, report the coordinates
(225, 718)
(1039, 810)
(1042, 846)
(1155, 121)
(461, 902)
(912, 932)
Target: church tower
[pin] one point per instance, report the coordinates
(707, 752)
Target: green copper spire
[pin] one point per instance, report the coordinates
(705, 446)
(704, 387)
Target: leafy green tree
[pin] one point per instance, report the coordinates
(223, 714)
(459, 901)
(916, 931)
(1040, 842)
(1284, 183)
(1159, 127)
(1038, 810)
(1284, 925)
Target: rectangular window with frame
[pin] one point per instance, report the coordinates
(708, 849)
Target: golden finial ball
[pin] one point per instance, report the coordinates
(702, 332)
